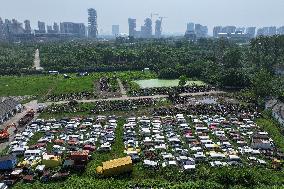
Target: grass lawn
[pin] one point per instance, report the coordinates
(26, 85)
(151, 83)
(41, 85)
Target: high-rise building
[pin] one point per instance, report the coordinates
(250, 31)
(55, 27)
(201, 31)
(280, 30)
(17, 27)
(1, 28)
(41, 27)
(92, 23)
(267, 31)
(158, 28)
(272, 30)
(49, 29)
(132, 27)
(260, 31)
(240, 29)
(216, 31)
(28, 28)
(229, 29)
(76, 29)
(1, 22)
(115, 30)
(190, 35)
(190, 27)
(147, 29)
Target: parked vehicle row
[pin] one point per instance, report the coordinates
(169, 90)
(65, 144)
(184, 142)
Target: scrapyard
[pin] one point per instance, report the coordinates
(182, 138)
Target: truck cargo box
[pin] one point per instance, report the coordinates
(8, 162)
(115, 167)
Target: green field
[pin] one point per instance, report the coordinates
(42, 85)
(152, 83)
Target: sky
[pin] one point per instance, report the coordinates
(178, 12)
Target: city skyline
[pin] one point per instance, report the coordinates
(223, 13)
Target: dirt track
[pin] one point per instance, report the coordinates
(37, 61)
(31, 105)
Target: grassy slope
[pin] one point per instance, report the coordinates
(273, 128)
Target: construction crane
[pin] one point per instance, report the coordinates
(4, 134)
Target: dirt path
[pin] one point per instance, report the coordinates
(31, 105)
(122, 89)
(37, 61)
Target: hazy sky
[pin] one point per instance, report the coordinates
(179, 12)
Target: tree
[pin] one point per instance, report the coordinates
(182, 80)
(168, 73)
(262, 84)
(232, 57)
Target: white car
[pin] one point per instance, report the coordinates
(3, 186)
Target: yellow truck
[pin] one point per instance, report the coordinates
(115, 167)
(51, 161)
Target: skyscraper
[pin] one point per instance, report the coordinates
(93, 25)
(229, 29)
(241, 29)
(49, 29)
(158, 28)
(250, 31)
(216, 31)
(28, 28)
(280, 30)
(267, 31)
(17, 27)
(115, 30)
(272, 31)
(132, 27)
(190, 27)
(41, 27)
(55, 27)
(201, 31)
(1, 22)
(147, 30)
(76, 29)
(1, 28)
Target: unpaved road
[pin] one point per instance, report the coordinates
(122, 89)
(31, 105)
(37, 61)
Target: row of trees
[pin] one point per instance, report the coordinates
(15, 58)
(254, 67)
(218, 62)
(69, 56)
